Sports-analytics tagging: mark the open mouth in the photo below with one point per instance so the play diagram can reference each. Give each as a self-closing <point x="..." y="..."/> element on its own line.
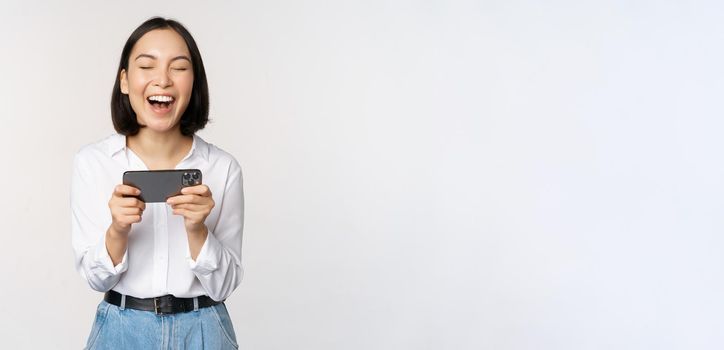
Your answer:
<point x="160" y="104"/>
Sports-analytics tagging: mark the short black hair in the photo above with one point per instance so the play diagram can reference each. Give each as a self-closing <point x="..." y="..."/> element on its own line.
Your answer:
<point x="196" y="114"/>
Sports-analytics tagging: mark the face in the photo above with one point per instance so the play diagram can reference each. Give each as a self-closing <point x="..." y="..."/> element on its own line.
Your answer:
<point x="159" y="79"/>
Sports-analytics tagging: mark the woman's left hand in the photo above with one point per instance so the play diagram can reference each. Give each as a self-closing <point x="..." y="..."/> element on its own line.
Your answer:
<point x="194" y="204"/>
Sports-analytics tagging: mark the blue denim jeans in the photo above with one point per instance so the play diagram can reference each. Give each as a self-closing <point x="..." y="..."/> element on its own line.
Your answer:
<point x="206" y="328"/>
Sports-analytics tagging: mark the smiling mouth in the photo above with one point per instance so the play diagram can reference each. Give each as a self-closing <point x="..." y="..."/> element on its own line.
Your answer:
<point x="160" y="104"/>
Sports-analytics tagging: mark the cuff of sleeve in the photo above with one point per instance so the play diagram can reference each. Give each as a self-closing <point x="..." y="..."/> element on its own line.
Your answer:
<point x="208" y="259"/>
<point x="103" y="259"/>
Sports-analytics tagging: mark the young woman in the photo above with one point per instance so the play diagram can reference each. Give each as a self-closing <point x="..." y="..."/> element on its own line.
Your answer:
<point x="165" y="268"/>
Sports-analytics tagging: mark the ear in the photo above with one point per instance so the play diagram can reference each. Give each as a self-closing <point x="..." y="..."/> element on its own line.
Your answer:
<point x="124" y="82"/>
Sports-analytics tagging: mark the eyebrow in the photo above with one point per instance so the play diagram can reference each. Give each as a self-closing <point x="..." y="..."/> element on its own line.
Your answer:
<point x="154" y="57"/>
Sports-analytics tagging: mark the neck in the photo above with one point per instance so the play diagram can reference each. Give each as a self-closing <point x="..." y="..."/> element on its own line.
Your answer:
<point x="160" y="147"/>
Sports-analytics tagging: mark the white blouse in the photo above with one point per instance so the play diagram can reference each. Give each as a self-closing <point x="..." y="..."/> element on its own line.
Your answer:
<point x="157" y="261"/>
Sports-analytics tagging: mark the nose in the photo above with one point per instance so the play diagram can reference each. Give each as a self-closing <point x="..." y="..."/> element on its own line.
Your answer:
<point x="163" y="80"/>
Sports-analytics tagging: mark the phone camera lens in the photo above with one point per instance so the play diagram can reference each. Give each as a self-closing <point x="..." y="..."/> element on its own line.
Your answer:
<point x="196" y="176"/>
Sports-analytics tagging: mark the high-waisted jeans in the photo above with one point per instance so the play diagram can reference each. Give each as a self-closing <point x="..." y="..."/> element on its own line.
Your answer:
<point x="205" y="328"/>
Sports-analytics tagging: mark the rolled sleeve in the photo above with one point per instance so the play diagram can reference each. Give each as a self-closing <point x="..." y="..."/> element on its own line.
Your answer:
<point x="103" y="262"/>
<point x="209" y="257"/>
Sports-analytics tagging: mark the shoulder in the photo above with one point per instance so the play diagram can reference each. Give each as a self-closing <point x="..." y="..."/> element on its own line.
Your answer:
<point x="98" y="149"/>
<point x="222" y="164"/>
<point x="219" y="156"/>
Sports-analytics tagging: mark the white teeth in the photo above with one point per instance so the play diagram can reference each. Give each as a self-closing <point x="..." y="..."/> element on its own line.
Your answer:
<point x="160" y="98"/>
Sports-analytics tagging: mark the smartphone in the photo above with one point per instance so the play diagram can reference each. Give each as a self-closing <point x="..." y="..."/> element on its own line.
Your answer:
<point x="158" y="185"/>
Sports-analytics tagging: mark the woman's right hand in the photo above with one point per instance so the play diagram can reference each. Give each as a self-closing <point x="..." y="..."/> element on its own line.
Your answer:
<point x="125" y="211"/>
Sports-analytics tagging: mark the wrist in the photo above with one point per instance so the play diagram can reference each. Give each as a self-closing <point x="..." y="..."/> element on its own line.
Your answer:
<point x="198" y="231"/>
<point x="116" y="234"/>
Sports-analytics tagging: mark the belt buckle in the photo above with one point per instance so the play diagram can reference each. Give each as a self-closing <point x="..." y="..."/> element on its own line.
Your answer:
<point x="163" y="305"/>
<point x="161" y="308"/>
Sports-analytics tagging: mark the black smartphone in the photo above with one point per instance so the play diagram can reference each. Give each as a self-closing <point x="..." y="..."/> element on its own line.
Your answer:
<point x="158" y="185"/>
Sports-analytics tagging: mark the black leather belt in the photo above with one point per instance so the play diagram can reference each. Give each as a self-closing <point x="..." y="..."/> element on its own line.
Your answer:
<point x="165" y="305"/>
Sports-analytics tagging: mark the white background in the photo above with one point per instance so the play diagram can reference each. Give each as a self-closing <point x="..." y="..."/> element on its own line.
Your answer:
<point x="418" y="174"/>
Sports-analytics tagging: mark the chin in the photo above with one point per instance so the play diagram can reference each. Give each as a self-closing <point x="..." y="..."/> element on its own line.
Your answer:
<point x="158" y="128"/>
<point x="161" y="129"/>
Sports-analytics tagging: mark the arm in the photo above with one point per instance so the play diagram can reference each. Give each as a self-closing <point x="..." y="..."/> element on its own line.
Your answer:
<point x="100" y="242"/>
<point x="89" y="223"/>
<point x="218" y="263"/>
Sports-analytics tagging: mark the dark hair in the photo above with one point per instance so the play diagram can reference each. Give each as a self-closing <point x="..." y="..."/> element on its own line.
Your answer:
<point x="196" y="114"/>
